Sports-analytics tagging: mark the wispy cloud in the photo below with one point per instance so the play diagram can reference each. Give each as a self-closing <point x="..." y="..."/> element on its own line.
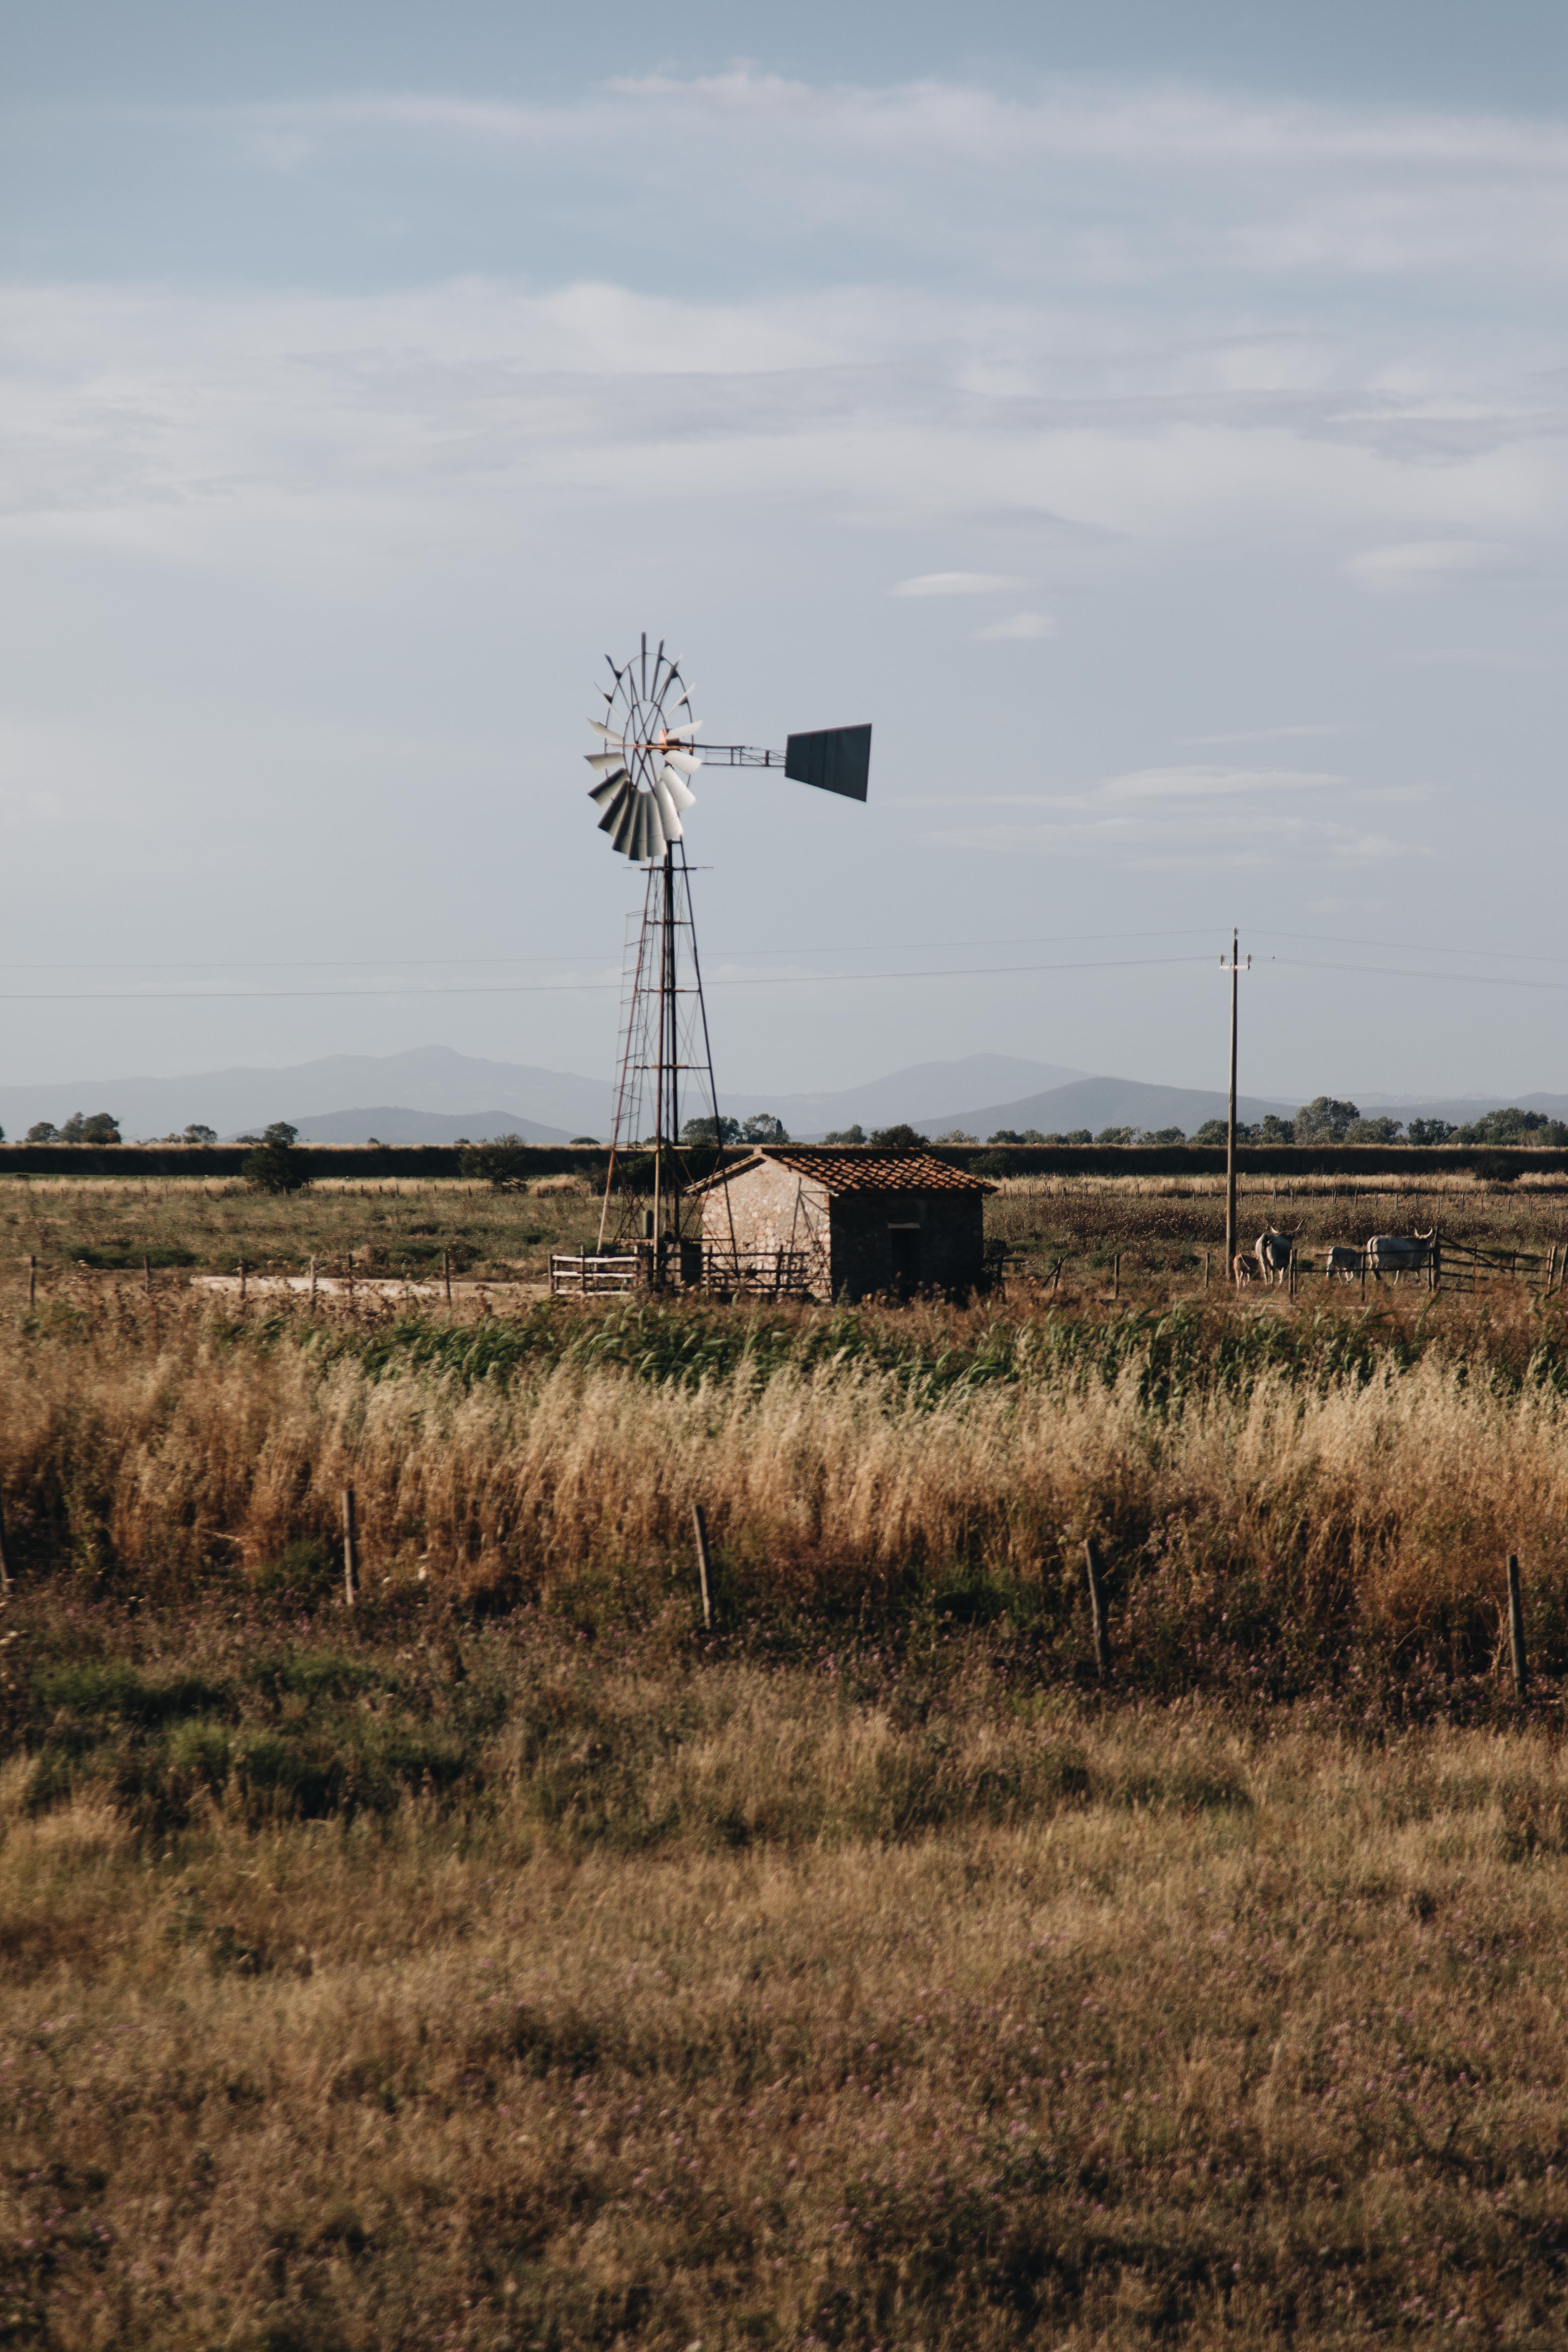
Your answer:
<point x="1203" y="783"/>
<point x="1024" y="629"/>
<point x="958" y="583"/>
<point x="1426" y="562"/>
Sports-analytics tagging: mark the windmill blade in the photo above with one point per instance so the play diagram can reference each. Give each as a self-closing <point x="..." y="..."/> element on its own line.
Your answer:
<point x="647" y="841"/>
<point x="597" y="727"/>
<point x="668" y="818"/>
<point x="604" y="761"/>
<point x="683" y="726"/>
<point x="612" y="797"/>
<point x="609" y="789"/>
<point x="673" y="783"/>
<point x="685" y="764"/>
<point x="621" y="837"/>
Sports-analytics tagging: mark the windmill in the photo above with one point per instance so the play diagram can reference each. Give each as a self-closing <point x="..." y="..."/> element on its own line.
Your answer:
<point x="647" y="758"/>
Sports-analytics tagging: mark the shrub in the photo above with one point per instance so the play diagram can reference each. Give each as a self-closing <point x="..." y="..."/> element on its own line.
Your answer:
<point x="501" y="1162"/>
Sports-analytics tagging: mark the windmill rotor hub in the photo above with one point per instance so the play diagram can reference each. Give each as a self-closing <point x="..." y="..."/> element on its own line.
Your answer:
<point x="647" y="755"/>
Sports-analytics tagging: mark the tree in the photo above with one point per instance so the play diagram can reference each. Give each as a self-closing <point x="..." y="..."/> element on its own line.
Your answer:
<point x="1274" y="1130"/>
<point x="202" y="1135"/>
<point x="1430" y="1131"/>
<point x="1161" y="1135"/>
<point x="846" y="1135"/>
<point x="43" y="1131"/>
<point x="275" y="1166"/>
<point x="957" y="1135"/>
<point x="101" y="1128"/>
<point x="1374" y="1130"/>
<point x="763" y="1128"/>
<point x="587" y="1139"/>
<point x="1212" y="1130"/>
<point x="1513" y="1126"/>
<point x="1116" y="1135"/>
<point x="501" y="1162"/>
<point x="900" y="1138"/>
<point x="1073" y="1135"/>
<point x="1324" y="1119"/>
<point x="712" y="1130"/>
<point x="1005" y="1135"/>
<point x="281" y="1132"/>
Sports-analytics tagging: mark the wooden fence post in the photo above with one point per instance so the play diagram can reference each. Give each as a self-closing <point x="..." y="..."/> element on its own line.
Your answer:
<point x="1096" y="1608"/>
<point x="1516" y="1624"/>
<point x="242" y="1271"/>
<point x="351" y="1550"/>
<point x="1116" y="1274"/>
<point x="32" y="1282"/>
<point x="147" y="1272"/>
<point x="312" y="1282"/>
<point x="1205" y="1269"/>
<point x="447" y="1272"/>
<point x="700" y="1523"/>
<point x="5" y="1556"/>
<point x="351" y="1259"/>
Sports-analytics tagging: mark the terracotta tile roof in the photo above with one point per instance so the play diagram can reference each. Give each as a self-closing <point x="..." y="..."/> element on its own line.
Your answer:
<point x="857" y="1168"/>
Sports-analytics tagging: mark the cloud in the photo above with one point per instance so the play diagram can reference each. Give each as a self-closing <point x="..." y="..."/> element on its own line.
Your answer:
<point x="1027" y="627"/>
<point x="1203" y="783"/>
<point x="1426" y="562"/>
<point x="958" y="583"/>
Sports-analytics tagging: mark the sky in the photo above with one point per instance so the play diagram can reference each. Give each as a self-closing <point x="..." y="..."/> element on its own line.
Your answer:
<point x="1150" y="417"/>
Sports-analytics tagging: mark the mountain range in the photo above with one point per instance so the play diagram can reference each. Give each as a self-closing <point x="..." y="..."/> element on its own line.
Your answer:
<point x="434" y="1095"/>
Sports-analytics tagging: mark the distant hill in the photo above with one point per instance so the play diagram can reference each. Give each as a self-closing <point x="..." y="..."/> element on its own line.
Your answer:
<point x="431" y="1078"/>
<point x="388" y="1125"/>
<point x="1095" y="1103"/>
<point x="428" y="1096"/>
<point x="909" y="1094"/>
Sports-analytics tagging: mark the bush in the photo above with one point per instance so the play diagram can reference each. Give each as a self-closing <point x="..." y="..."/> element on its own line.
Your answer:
<point x="501" y="1162"/>
<point x="900" y="1137"/>
<point x="275" y="1166"/>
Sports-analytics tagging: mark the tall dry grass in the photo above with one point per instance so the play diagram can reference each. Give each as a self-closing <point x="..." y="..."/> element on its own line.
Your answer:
<point x="1370" y="1474"/>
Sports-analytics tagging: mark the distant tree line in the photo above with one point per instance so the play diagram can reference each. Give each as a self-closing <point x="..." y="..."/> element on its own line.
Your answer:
<point x="1325" y="1119"/>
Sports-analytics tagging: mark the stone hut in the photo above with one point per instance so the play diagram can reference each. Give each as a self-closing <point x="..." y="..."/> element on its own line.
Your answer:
<point x="842" y="1222"/>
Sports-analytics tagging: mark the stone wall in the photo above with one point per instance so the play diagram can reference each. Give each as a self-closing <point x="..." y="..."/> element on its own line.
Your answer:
<point x="874" y="1249"/>
<point x="773" y="1211"/>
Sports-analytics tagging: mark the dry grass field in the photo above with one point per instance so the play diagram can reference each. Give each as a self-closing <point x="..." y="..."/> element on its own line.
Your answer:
<point x="1160" y="1226"/>
<point x="508" y="1962"/>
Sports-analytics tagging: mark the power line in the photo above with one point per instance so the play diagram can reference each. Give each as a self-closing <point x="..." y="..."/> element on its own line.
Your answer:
<point x="406" y="963"/>
<point x="1414" y="947"/>
<point x="555" y="987"/>
<point x="1409" y="971"/>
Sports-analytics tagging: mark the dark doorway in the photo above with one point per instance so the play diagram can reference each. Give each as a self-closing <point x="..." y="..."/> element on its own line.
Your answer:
<point x="904" y="1242"/>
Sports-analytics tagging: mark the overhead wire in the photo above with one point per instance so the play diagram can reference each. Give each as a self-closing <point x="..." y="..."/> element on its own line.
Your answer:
<point x="556" y="987"/>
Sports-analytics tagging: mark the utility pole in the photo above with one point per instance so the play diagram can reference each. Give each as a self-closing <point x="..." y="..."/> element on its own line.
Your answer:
<point x="1235" y="967"/>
